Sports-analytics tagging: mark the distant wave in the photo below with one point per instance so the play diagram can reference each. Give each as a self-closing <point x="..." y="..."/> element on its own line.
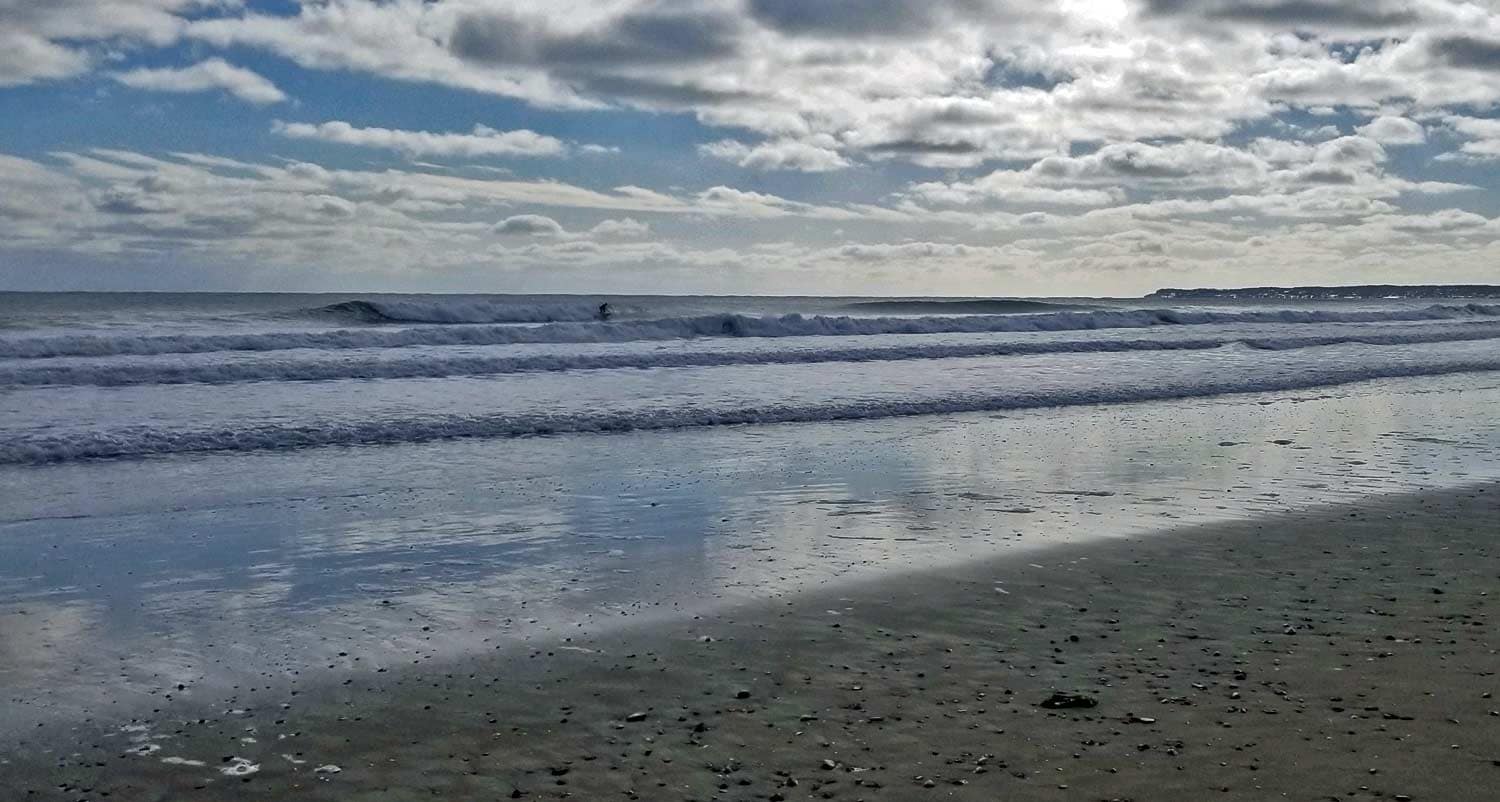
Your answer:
<point x="467" y="310"/>
<point x="141" y="441"/>
<point x="116" y="375"/>
<point x="960" y="306"/>
<point x="723" y="325"/>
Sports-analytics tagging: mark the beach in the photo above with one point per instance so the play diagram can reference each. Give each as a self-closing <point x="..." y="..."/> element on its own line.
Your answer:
<point x="1344" y="652"/>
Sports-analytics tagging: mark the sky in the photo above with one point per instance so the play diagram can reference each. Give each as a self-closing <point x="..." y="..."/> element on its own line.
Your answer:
<point x="872" y="147"/>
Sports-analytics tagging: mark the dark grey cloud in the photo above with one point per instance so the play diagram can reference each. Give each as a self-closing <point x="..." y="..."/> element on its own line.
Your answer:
<point x="888" y="18"/>
<point x="1363" y="14"/>
<point x="846" y="17"/>
<point x="658" y="93"/>
<point x="629" y="39"/>
<point x="124" y="201"/>
<point x="1327" y="175"/>
<point x="1137" y="162"/>
<point x="529" y="225"/>
<point x="1471" y="52"/>
<point x="920" y="147"/>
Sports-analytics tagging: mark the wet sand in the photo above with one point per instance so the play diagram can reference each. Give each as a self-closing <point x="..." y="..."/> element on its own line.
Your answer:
<point x="1345" y="653"/>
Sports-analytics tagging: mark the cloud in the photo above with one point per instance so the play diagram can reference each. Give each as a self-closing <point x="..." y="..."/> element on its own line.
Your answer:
<point x="1074" y="138"/>
<point x="631" y="38"/>
<point x="42" y="41"/>
<point x="784" y="154"/>
<point x="214" y="73"/>
<point x="1394" y="131"/>
<point x="401" y="40"/>
<point x="931" y="83"/>
<point x="1183" y="165"/>
<point x="530" y="225"/>
<point x="1483" y="138"/>
<point x="483" y="141"/>
<point x="1464" y="50"/>
<point x="119" y="207"/>
<point x="1011" y="188"/>
<point x="26" y="59"/>
<point x="1446" y="220"/>
<point x="1365" y="15"/>
<point x="846" y="17"/>
<point x="624" y="227"/>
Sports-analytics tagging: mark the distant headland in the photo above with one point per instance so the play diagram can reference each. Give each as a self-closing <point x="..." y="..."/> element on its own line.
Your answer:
<point x="1352" y="292"/>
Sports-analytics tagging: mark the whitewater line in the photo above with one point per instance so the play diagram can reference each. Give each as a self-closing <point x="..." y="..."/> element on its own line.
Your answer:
<point x="142" y="442"/>
<point x="724" y="325"/>
<point x="119" y="375"/>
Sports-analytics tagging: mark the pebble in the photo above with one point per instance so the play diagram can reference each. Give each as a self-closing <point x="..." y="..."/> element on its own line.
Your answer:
<point x="1059" y="701"/>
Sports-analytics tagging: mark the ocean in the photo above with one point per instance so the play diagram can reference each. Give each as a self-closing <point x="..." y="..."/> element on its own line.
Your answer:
<point x="227" y="489"/>
<point x="96" y="376"/>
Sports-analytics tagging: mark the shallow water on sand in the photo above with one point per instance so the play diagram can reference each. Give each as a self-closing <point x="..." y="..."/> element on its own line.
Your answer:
<point x="121" y="581"/>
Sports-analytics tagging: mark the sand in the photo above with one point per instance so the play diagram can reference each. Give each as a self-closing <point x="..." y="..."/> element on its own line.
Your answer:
<point x="1343" y="653"/>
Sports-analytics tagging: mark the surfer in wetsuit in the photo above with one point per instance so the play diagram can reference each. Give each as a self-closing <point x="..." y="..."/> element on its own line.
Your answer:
<point x="605" y="313"/>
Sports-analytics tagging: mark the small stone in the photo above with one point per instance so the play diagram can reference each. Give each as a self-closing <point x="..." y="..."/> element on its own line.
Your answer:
<point x="636" y="716"/>
<point x="742" y="694"/>
<point x="1059" y="701"/>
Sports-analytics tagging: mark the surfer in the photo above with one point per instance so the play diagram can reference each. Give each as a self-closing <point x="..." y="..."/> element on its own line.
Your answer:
<point x="605" y="313"/>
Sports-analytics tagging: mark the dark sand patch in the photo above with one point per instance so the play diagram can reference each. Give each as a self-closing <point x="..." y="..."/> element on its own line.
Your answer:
<point x="1345" y="654"/>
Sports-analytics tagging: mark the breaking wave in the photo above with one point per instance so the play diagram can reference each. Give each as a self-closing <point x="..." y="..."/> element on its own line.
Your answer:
<point x="721" y="325"/>
<point x="959" y="306"/>
<point x="115" y="375"/>
<point x="146" y="441"/>
<point x="456" y="311"/>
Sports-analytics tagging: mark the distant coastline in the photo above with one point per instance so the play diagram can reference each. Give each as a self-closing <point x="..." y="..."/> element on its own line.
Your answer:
<point x="1352" y="292"/>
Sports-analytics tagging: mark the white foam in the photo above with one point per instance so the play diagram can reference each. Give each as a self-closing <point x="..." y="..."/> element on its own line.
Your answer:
<point x="115" y="375"/>
<point x="144" y="441"/>
<point x="239" y="767"/>
<point x="723" y="325"/>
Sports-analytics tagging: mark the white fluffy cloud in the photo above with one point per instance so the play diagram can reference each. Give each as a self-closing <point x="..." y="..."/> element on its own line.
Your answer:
<point x="48" y="39"/>
<point x="1389" y="130"/>
<point x="211" y="74"/>
<point x="482" y="141"/>
<point x="784" y="154"/>
<point x="1483" y="137"/>
<point x="624" y="227"/>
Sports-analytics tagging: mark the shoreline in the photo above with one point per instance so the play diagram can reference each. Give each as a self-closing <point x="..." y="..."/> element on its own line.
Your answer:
<point x="1338" y="653"/>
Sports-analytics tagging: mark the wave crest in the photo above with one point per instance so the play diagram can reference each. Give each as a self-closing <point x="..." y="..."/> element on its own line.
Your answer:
<point x="722" y="325"/>
<point x="119" y="375"/>
<point x="468" y="310"/>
